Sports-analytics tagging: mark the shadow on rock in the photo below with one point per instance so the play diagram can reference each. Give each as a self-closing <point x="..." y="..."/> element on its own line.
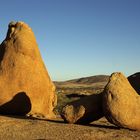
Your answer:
<point x="75" y="95"/>
<point x="19" y="105"/>
<point x="134" y="80"/>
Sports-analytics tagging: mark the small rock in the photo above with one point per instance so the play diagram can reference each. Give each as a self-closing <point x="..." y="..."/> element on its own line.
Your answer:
<point x="84" y="110"/>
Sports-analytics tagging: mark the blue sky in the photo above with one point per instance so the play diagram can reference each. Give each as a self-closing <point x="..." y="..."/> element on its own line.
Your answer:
<point x="79" y="38"/>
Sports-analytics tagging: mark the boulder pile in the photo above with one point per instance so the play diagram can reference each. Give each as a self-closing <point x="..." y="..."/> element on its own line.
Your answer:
<point x="119" y="103"/>
<point x="26" y="87"/>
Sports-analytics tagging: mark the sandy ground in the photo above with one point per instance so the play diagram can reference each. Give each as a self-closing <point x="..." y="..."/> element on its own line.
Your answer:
<point x="23" y="128"/>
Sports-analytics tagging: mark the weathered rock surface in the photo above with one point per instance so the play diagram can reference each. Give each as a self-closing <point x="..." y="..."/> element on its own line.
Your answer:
<point x="134" y="80"/>
<point x="84" y="110"/>
<point x="25" y="86"/>
<point x="121" y="103"/>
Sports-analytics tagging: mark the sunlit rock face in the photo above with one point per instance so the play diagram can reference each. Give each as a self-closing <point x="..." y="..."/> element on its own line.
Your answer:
<point x="24" y="80"/>
<point x="121" y="103"/>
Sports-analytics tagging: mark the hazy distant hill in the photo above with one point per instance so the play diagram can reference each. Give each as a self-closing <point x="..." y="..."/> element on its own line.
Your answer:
<point x="90" y="80"/>
<point x="82" y="86"/>
<point x="85" y="81"/>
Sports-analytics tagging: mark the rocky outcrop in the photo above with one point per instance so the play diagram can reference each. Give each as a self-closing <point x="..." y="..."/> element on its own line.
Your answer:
<point x="25" y="86"/>
<point x="84" y="110"/>
<point x="121" y="103"/>
<point x="134" y="80"/>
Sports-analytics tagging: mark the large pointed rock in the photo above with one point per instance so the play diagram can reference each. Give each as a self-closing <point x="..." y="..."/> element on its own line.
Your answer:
<point x="121" y="103"/>
<point x="84" y="110"/>
<point x="25" y="86"/>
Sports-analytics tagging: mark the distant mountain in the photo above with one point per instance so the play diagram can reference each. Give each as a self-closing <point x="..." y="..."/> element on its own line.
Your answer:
<point x="90" y="80"/>
<point x="84" y="81"/>
<point x="82" y="86"/>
